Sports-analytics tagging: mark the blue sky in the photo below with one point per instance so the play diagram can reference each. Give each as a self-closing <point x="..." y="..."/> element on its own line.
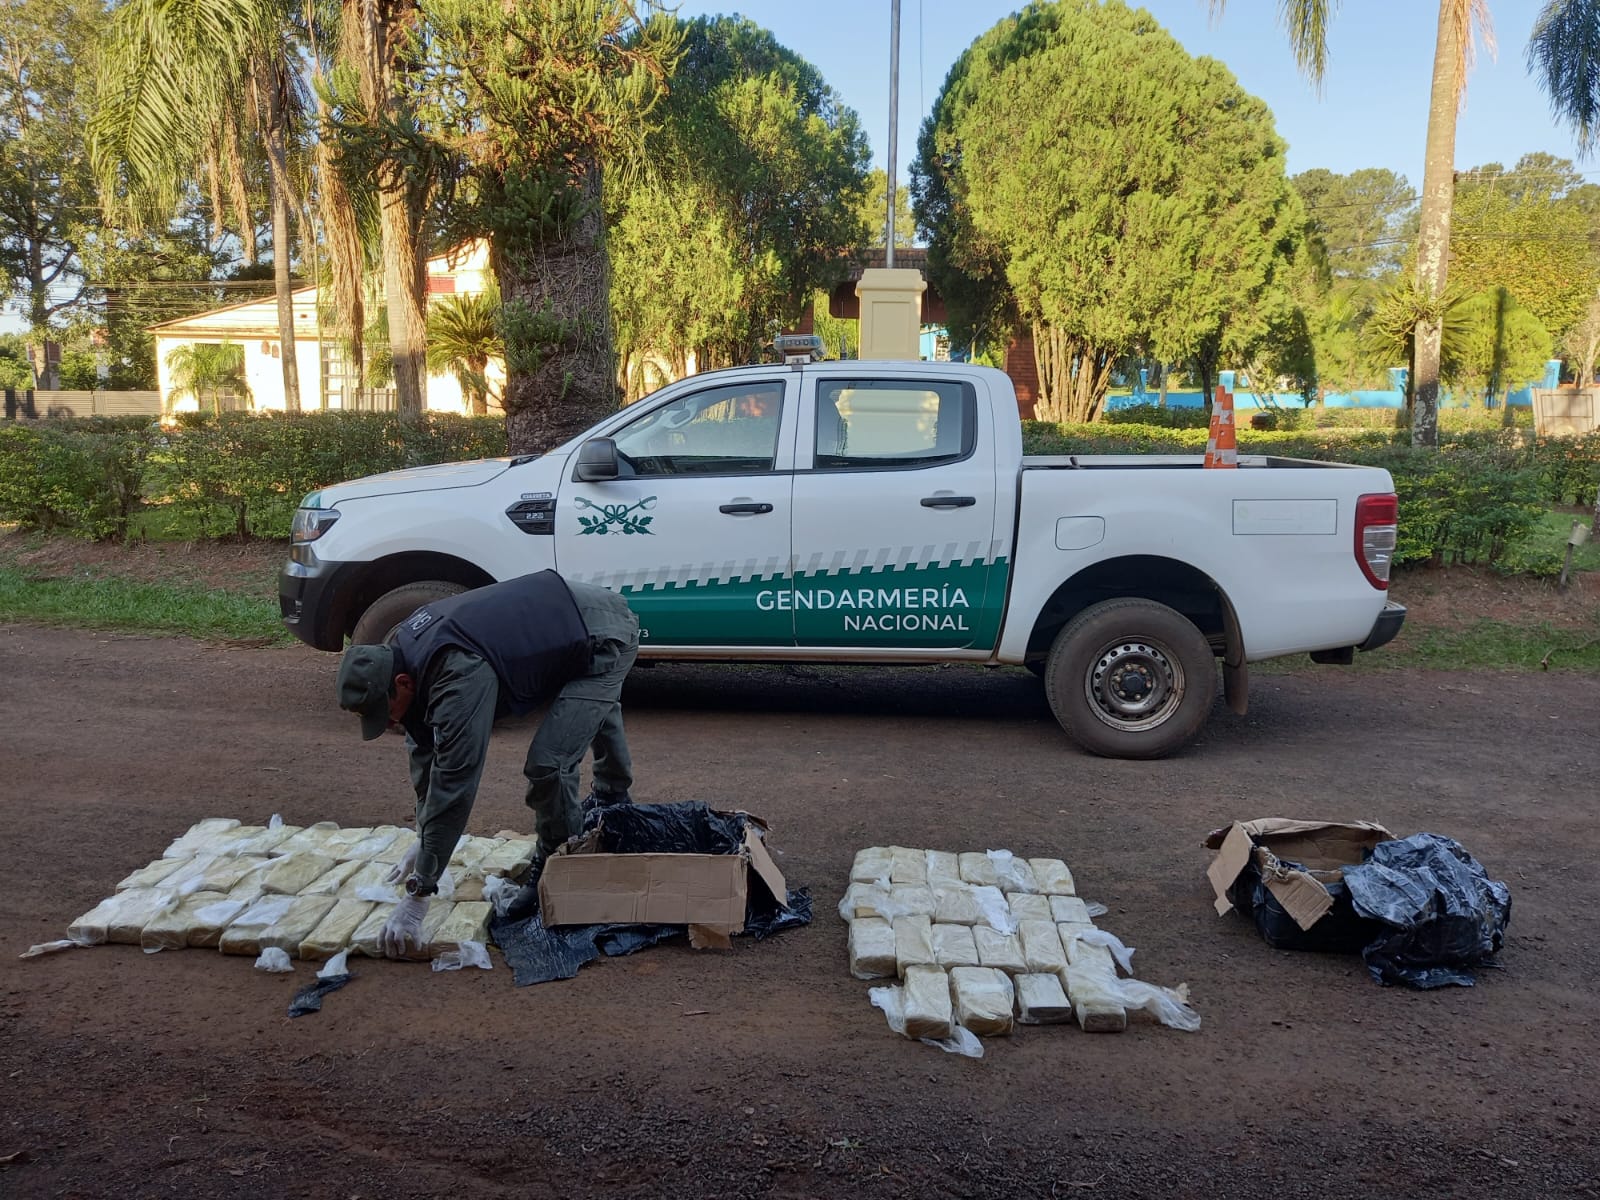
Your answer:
<point x="1372" y="111"/>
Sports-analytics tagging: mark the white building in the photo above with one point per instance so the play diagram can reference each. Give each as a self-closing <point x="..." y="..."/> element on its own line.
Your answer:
<point x="325" y="378"/>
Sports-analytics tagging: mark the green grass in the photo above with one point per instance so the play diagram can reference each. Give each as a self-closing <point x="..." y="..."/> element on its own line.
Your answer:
<point x="1549" y="537"/>
<point x="1494" y="646"/>
<point x="143" y="607"/>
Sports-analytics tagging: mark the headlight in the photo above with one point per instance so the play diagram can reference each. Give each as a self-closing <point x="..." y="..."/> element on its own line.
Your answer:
<point x="311" y="523"/>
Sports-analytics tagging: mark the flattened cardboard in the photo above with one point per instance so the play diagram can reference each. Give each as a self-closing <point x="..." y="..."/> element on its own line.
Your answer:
<point x="707" y="892"/>
<point x="1323" y="848"/>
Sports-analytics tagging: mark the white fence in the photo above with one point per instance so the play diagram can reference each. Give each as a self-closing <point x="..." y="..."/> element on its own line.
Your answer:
<point x="1566" y="410"/>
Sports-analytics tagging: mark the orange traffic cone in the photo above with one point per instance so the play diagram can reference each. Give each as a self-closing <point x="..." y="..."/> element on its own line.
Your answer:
<point x="1222" y="447"/>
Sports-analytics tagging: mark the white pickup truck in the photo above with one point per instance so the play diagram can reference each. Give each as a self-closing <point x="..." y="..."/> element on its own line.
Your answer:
<point x="883" y="512"/>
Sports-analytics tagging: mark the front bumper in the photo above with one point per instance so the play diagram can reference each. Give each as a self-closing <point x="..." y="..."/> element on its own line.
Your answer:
<point x="1386" y="626"/>
<point x="313" y="598"/>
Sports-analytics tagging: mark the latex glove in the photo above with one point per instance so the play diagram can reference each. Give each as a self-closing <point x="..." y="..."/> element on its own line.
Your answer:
<point x="403" y="929"/>
<point x="407" y="864"/>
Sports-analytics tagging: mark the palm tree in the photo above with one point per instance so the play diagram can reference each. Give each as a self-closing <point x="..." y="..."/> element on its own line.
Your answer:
<point x="206" y="370"/>
<point x="1564" y="52"/>
<point x="179" y="81"/>
<point x="463" y="335"/>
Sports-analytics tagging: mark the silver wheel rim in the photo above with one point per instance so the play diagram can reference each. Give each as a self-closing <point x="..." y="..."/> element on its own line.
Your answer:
<point x="1134" y="684"/>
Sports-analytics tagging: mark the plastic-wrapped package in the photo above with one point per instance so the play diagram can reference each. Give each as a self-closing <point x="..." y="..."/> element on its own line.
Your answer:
<point x="293" y="873"/>
<point x="131" y="911"/>
<point x="1041" y="947"/>
<point x="249" y="886"/>
<point x="909" y="900"/>
<point x="1012" y="874"/>
<point x="470" y="852"/>
<point x="993" y="910"/>
<point x="368" y="875"/>
<point x="908" y="866"/>
<point x="365" y="939"/>
<point x="872" y="948"/>
<point x="1041" y="1000"/>
<point x="944" y="868"/>
<point x="871" y="865"/>
<point x="1000" y="950"/>
<point x="465" y="922"/>
<point x="956" y="906"/>
<point x="332" y="934"/>
<point x="331" y="882"/>
<point x="396" y="850"/>
<point x="928" y="1010"/>
<point x="913" y="943"/>
<point x="243" y="936"/>
<point x="953" y="946"/>
<point x="511" y="856"/>
<point x="223" y="873"/>
<point x="153" y="875"/>
<point x="311" y="840"/>
<point x="171" y="928"/>
<point x="198" y="837"/>
<point x="379" y="838"/>
<point x="1112" y="943"/>
<point x="1053" y="876"/>
<point x="1090" y="955"/>
<point x="470" y="887"/>
<point x="1028" y="906"/>
<point x="1069" y="910"/>
<point x="208" y="921"/>
<point x="983" y="1000"/>
<point x="976" y="869"/>
<point x="342" y="840"/>
<point x="1096" y="999"/>
<point x="289" y="930"/>
<point x="259" y="841"/>
<point x="863" y="900"/>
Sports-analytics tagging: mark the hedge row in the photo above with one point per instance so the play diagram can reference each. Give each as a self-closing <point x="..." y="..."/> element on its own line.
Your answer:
<point x="237" y="474"/>
<point x="242" y="474"/>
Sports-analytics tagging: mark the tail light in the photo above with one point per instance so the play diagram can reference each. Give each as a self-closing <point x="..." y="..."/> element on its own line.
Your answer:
<point x="1377" y="517"/>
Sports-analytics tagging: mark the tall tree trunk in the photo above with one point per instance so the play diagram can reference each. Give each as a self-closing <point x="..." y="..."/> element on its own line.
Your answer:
<point x="270" y="103"/>
<point x="379" y="27"/>
<point x="1433" y="235"/>
<point x="407" y="336"/>
<point x="560" y="374"/>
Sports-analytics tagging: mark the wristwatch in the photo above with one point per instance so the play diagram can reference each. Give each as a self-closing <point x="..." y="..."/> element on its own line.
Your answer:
<point x="415" y="887"/>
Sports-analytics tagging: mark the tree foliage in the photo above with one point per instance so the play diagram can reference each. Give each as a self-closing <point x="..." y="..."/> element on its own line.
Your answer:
<point x="749" y="195"/>
<point x="207" y="371"/>
<point x="538" y="102"/>
<point x="463" y="335"/>
<point x="1149" y="209"/>
<point x="1360" y="223"/>
<point x="46" y="188"/>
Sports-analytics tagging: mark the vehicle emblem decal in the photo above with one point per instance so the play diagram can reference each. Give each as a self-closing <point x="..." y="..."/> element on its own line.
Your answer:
<point x="616" y="518"/>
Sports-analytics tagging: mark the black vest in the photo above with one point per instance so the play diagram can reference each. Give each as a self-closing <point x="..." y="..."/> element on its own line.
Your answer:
<point x="527" y="629"/>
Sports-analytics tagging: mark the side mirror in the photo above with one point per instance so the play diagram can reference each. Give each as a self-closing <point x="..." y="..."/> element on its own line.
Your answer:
<point x="597" y="461"/>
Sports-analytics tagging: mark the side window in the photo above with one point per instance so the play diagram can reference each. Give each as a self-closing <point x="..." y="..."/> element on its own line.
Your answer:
<point x="731" y="430"/>
<point x="893" y="423"/>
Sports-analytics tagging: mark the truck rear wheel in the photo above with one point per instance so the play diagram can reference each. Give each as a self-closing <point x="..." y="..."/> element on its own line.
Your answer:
<point x="1131" y="679"/>
<point x="385" y="613"/>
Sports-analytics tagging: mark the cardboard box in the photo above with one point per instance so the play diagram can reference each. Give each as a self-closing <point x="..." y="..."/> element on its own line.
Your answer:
<point x="582" y="885"/>
<point x="1322" y="848"/>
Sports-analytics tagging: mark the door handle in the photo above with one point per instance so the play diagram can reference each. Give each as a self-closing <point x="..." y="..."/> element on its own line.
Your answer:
<point x="736" y="509"/>
<point x="949" y="501"/>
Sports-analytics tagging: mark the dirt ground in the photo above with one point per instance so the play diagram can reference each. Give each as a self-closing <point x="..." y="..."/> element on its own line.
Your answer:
<point x="763" y="1071"/>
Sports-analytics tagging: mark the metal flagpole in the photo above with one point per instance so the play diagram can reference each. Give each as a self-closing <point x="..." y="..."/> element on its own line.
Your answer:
<point x="894" y="121"/>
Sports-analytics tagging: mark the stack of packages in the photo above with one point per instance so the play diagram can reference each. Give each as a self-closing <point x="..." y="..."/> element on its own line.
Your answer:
<point x="982" y="940"/>
<point x="309" y="892"/>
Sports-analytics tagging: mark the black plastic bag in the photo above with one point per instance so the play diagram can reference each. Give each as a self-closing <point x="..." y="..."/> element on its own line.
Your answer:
<point x="1338" y="931"/>
<point x="309" y="998"/>
<point x="538" y="955"/>
<point x="1439" y="913"/>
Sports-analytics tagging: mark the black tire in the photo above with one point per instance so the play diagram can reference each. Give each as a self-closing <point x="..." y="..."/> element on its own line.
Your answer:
<point x="1131" y="679"/>
<point x="388" y="610"/>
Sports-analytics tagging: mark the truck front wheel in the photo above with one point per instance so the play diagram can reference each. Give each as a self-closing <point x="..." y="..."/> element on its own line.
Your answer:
<point x="389" y="609"/>
<point x="1131" y="679"/>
